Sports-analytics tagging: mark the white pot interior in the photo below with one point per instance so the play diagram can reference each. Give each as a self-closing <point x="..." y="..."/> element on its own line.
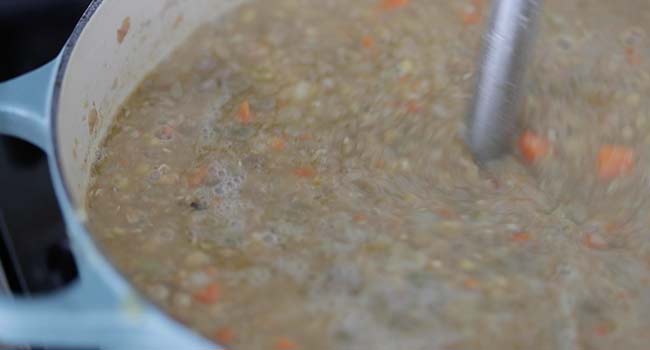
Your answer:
<point x="122" y="42"/>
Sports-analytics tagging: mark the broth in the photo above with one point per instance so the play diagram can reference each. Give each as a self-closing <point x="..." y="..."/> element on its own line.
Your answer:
<point x="295" y="177"/>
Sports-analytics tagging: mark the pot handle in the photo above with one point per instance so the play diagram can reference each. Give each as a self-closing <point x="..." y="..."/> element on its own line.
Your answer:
<point x="25" y="105"/>
<point x="73" y="317"/>
<point x="89" y="312"/>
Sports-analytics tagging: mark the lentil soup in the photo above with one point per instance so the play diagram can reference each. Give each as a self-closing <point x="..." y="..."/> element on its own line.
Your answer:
<point x="295" y="177"/>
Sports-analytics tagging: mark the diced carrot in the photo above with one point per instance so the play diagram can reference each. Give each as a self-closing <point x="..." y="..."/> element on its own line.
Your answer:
<point x="167" y="132"/>
<point x="471" y="283"/>
<point x="209" y="294"/>
<point x="612" y="227"/>
<point x="471" y="16"/>
<point x="623" y="295"/>
<point x="632" y="56"/>
<point x="603" y="329"/>
<point x="198" y="176"/>
<point x="360" y="218"/>
<point x="281" y="103"/>
<point x="594" y="241"/>
<point x="393" y="4"/>
<point x="123" y="30"/>
<point x="412" y="106"/>
<point x="520" y="237"/>
<point x="278" y="144"/>
<point x="305" y="172"/>
<point x="224" y="336"/>
<point x="533" y="147"/>
<point x="615" y="161"/>
<point x="368" y="42"/>
<point x="305" y="137"/>
<point x="245" y="115"/>
<point x="447" y="214"/>
<point x="178" y="21"/>
<point x="284" y="343"/>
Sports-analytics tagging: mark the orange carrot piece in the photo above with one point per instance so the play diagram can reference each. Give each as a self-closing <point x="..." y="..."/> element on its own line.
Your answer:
<point x="284" y="343"/>
<point x="167" y="132"/>
<point x="393" y="4"/>
<point x="594" y="241"/>
<point x="471" y="283"/>
<point x="612" y="228"/>
<point x="360" y="218"/>
<point x="305" y="137"/>
<point x="447" y="214"/>
<point x="305" y="172"/>
<point x="224" y="336"/>
<point x="632" y="56"/>
<point x="403" y="81"/>
<point x="209" y="294"/>
<point x="412" y="106"/>
<point x="245" y="115"/>
<point x="603" y="329"/>
<point x="615" y="161"/>
<point x="278" y="144"/>
<point x="471" y="17"/>
<point x="533" y="147"/>
<point x="368" y="42"/>
<point x="520" y="237"/>
<point x="198" y="177"/>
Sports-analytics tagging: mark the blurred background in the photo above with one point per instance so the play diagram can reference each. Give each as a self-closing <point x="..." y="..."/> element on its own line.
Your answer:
<point x="34" y="256"/>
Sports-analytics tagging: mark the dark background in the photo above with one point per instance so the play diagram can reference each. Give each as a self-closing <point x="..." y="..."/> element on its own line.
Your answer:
<point x="33" y="246"/>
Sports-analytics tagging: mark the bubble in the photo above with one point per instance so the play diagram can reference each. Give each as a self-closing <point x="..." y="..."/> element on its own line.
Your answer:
<point x="236" y="224"/>
<point x="268" y="237"/>
<point x="297" y="269"/>
<point x="344" y="277"/>
<point x="206" y="64"/>
<point x="218" y="191"/>
<point x="217" y="170"/>
<point x="155" y="175"/>
<point x="231" y="185"/>
<point x="633" y="36"/>
<point x="240" y="179"/>
<point x="225" y="184"/>
<point x="222" y="173"/>
<point x="207" y="133"/>
<point x="564" y="43"/>
<point x="203" y="195"/>
<point x="166" y="234"/>
<point x="100" y="154"/>
<point x="229" y="207"/>
<point x="208" y="85"/>
<point x="258" y="276"/>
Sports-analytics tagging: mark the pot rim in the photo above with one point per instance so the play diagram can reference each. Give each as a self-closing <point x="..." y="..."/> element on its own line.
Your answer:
<point x="66" y="54"/>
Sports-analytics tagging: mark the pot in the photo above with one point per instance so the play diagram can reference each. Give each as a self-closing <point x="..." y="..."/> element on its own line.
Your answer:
<point x="66" y="108"/>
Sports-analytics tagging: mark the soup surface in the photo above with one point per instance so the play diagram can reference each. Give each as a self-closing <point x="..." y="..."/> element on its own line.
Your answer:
<point x="295" y="177"/>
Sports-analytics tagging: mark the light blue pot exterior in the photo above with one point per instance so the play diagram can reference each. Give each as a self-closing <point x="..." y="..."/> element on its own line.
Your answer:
<point x="100" y="309"/>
